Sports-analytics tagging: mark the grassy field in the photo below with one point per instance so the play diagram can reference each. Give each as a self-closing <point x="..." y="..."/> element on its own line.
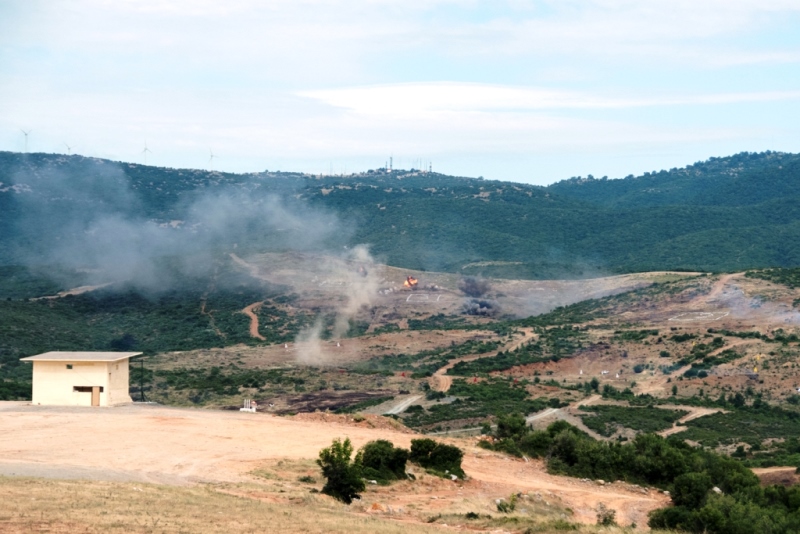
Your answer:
<point x="278" y="505"/>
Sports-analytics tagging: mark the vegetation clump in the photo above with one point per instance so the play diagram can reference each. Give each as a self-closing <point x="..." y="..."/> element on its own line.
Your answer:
<point x="381" y="461"/>
<point x="437" y="458"/>
<point x="343" y="476"/>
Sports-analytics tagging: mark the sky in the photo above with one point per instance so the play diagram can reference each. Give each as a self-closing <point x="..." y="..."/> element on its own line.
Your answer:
<point x="528" y="91"/>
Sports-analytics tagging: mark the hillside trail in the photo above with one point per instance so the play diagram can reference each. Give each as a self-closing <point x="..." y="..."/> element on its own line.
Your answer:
<point x="441" y="381"/>
<point x="250" y="311"/>
<point x="210" y="316"/>
<point x="567" y="414"/>
<point x="694" y="413"/>
<point x="718" y="287"/>
<point x="401" y="406"/>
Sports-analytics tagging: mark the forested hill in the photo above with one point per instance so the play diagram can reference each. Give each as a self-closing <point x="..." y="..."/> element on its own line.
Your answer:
<point x="724" y="214"/>
<point x="741" y="180"/>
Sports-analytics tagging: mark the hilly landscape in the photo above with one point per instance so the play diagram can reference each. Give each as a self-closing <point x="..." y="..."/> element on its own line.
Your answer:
<point x="606" y="353"/>
<point x="723" y="214"/>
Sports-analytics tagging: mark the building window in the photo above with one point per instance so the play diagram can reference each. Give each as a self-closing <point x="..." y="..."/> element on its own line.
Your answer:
<point x="85" y="389"/>
<point x="69" y="366"/>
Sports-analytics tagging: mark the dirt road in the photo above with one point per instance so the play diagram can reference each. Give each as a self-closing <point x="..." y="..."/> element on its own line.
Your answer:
<point x="694" y="413"/>
<point x="440" y="381"/>
<point x="184" y="446"/>
<point x="250" y="311"/>
<point x="719" y="286"/>
<point x="402" y="405"/>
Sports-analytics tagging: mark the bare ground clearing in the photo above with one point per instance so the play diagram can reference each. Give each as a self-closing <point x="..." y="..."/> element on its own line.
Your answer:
<point x="184" y="446"/>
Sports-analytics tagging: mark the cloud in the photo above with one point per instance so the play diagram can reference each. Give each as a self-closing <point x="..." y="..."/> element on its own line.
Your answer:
<point x="307" y="84"/>
<point x="422" y="98"/>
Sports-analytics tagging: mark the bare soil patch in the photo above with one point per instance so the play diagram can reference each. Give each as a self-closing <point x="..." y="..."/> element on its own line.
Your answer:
<point x="184" y="446"/>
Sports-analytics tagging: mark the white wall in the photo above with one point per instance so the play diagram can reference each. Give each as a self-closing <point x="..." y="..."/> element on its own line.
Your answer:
<point x="53" y="382"/>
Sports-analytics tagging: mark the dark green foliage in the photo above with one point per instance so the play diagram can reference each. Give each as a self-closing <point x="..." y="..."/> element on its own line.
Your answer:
<point x="750" y="423"/>
<point x="513" y="436"/>
<point x="18" y="282"/>
<point x="381" y="461"/>
<point x="222" y="382"/>
<point x="774" y="509"/>
<point x="439" y="322"/>
<point x="13" y="390"/>
<point x="788" y="277"/>
<point x="343" y="476"/>
<point x="478" y="400"/>
<point x="437" y="458"/>
<point x="364" y="404"/>
<point x="726" y="213"/>
<point x="553" y="344"/>
<point x="691" y="489"/>
<point x="427" y="361"/>
<point x="634" y="335"/>
<point x="511" y="426"/>
<point x="649" y="459"/>
<point x="606" y="418"/>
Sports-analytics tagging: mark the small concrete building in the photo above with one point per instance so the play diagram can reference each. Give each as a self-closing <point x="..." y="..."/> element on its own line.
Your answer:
<point x="81" y="378"/>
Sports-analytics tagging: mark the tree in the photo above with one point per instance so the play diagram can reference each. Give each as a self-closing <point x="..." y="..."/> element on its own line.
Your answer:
<point x="690" y="490"/>
<point x="382" y="461"/>
<point x="438" y="458"/>
<point x="511" y="426"/>
<point x="344" y="480"/>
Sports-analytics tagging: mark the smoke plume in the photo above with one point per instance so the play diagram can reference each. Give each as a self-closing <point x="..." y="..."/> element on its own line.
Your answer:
<point x="98" y="222"/>
<point x="355" y="290"/>
<point x="474" y="287"/>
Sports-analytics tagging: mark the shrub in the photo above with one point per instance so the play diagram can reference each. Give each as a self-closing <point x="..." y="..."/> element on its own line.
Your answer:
<point x="507" y="506"/>
<point x="690" y="489"/>
<point x="437" y="458"/>
<point x="511" y="426"/>
<point x="536" y="444"/>
<point x="382" y="461"/>
<point x="344" y="480"/>
<point x="606" y="517"/>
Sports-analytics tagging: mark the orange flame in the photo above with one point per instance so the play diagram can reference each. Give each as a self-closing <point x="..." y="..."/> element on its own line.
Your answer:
<point x="410" y="282"/>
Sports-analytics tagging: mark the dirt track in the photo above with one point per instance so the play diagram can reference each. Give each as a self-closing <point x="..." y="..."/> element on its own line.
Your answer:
<point x="250" y="311"/>
<point x="440" y="381"/>
<point x="184" y="446"/>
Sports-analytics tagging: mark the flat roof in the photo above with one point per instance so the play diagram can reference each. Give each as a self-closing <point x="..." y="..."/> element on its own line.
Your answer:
<point x="59" y="356"/>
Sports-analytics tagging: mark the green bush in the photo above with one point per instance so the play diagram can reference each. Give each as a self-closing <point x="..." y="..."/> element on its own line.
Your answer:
<point x="437" y="458"/>
<point x="382" y="461"/>
<point x="691" y="489"/>
<point x="344" y="480"/>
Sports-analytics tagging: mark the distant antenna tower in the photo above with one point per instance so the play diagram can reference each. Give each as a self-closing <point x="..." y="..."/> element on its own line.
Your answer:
<point x="390" y="163"/>
<point x="211" y="159"/>
<point x="26" y="138"/>
<point x="145" y="151"/>
<point x="69" y="149"/>
<point x="430" y="167"/>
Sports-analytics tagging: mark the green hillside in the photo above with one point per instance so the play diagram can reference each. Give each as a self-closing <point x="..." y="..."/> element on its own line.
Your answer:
<point x="728" y="213"/>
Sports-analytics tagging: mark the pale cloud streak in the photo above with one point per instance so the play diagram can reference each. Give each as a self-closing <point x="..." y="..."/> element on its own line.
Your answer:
<point x="424" y="98"/>
<point x="300" y="82"/>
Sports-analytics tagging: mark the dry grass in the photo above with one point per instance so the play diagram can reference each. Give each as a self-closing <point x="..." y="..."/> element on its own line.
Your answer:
<point x="35" y="505"/>
<point x="280" y="504"/>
